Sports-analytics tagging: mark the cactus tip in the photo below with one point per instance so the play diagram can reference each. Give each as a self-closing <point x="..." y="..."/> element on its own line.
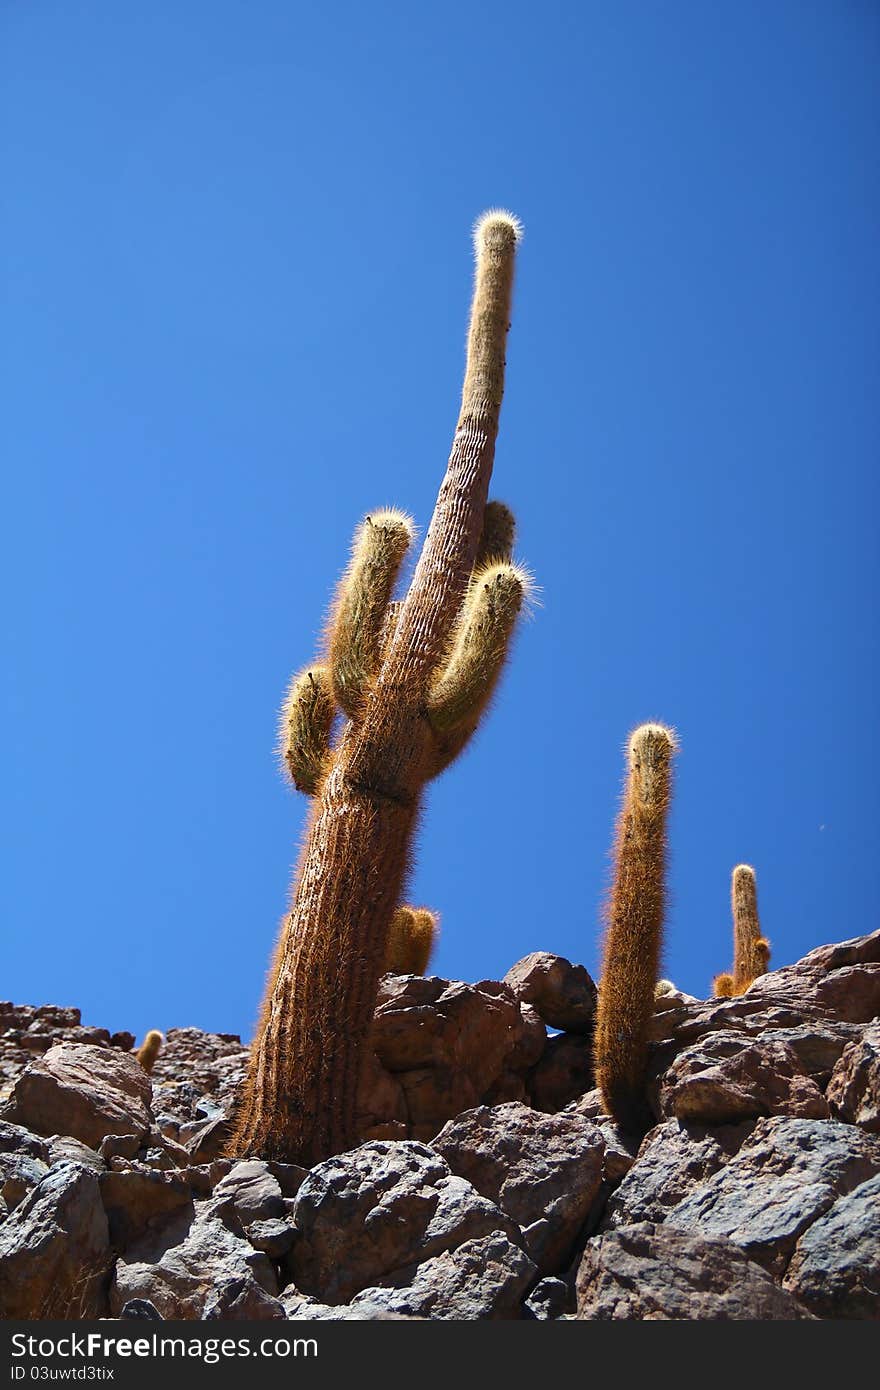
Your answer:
<point x="497" y="221"/>
<point x="650" y="734"/>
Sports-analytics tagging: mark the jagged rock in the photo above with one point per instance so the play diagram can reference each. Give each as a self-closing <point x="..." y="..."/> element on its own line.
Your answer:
<point x="138" y="1200"/>
<point x="657" y="1272"/>
<point x="242" y="1300"/>
<point x="64" y="1146"/>
<point x="140" y="1310"/>
<point x="544" y="1171"/>
<point x="564" y="1072"/>
<point x="253" y="1191"/>
<point x="19" y="1172"/>
<point x="728" y="1076"/>
<point x="786" y="1175"/>
<point x="206" y="1142"/>
<point x="191" y="1264"/>
<point x="483" y="1278"/>
<point x="54" y="1249"/>
<point x="548" y="1300"/>
<point x="674" y="1159"/>
<point x="83" y="1091"/>
<point x="376" y="1209"/>
<point x="14" y="1139"/>
<point x="119" y="1146"/>
<point x="563" y="994"/>
<point x="835" y="1269"/>
<point x="854" y="1089"/>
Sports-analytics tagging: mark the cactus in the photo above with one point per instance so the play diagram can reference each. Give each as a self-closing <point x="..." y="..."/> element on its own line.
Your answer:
<point x="751" y="950"/>
<point x="412" y="678"/>
<point x="634" y="928"/>
<point x="149" y="1049"/>
<point x="411" y="939"/>
<point x="722" y="986"/>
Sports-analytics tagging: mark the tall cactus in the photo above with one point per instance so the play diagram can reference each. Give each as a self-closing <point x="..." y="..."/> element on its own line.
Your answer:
<point x="751" y="950"/>
<point x="634" y="927"/>
<point x="412" y="679"/>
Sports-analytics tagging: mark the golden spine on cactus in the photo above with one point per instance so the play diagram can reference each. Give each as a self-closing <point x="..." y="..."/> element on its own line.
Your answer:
<point x="634" y="927"/>
<point x="412" y="937"/>
<point x="304" y="733"/>
<point x="359" y="614"/>
<point x="722" y="986"/>
<point x="149" y="1049"/>
<point x="389" y="672"/>
<point x="751" y="950"/>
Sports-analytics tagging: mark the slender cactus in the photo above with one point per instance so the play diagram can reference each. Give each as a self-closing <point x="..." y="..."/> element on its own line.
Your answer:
<point x="298" y="1103"/>
<point x="751" y="950"/>
<point x="149" y="1049"/>
<point x="412" y="937"/>
<point x="634" y="928"/>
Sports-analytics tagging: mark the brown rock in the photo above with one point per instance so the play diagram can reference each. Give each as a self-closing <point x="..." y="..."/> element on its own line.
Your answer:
<point x="729" y="1076"/>
<point x="854" y="1089"/>
<point x="138" y="1200"/>
<point x="835" y="1270"/>
<point x="543" y="1171"/>
<point x="83" y="1091"/>
<point x="563" y="994"/>
<point x="564" y="1073"/>
<point x="54" y="1249"/>
<point x="656" y="1272"/>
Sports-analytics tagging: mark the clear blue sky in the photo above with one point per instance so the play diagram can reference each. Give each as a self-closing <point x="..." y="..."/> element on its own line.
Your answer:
<point x="236" y="270"/>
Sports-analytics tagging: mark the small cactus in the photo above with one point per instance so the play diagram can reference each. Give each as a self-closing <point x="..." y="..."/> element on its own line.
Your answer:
<point x="634" y="928"/>
<point x="751" y="950"/>
<point x="412" y="937"/>
<point x="149" y="1049"/>
<point x="722" y="986"/>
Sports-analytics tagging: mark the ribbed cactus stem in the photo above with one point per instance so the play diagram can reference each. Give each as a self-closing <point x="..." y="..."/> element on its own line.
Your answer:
<point x="480" y="646"/>
<point x="304" y="729"/>
<point x="751" y="950"/>
<point x="149" y="1049"/>
<point x="356" y="626"/>
<point x="633" y="936"/>
<point x="299" y="1102"/>
<point x="411" y="939"/>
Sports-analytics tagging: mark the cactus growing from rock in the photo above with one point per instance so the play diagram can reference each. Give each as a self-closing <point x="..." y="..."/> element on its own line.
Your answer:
<point x="149" y="1049"/>
<point x="413" y="678"/>
<point x="634" y="928"/>
<point x="411" y="939"/>
<point x="751" y="950"/>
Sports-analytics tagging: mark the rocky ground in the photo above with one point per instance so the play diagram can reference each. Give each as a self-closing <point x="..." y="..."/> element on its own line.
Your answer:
<point x="490" y="1184"/>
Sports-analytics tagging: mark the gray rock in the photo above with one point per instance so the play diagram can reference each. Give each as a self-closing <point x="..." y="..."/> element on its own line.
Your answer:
<point x="54" y="1249"/>
<point x="138" y="1200"/>
<point x="548" y="1300"/>
<point x="835" y="1270"/>
<point x="83" y="1091"/>
<point x="544" y="1171"/>
<point x="485" y="1278"/>
<point x="378" y="1208"/>
<point x="785" y="1176"/>
<point x="14" y="1139"/>
<point x="19" y="1172"/>
<point x="657" y="1272"/>
<point x="674" y="1160"/>
<point x="563" y="994"/>
<point x="728" y="1076"/>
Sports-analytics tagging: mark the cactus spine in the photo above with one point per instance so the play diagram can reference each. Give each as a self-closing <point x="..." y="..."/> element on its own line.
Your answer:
<point x="751" y="950"/>
<point x="412" y="683"/>
<point x="149" y="1050"/>
<point x="411" y="939"/>
<point x="634" y="927"/>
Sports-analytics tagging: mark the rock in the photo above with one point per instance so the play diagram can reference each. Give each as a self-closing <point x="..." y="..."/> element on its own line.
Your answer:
<point x="63" y="1146"/>
<point x="543" y="1171"/>
<point x="562" y="994"/>
<point x="786" y="1175"/>
<point x="378" y="1208"/>
<point x="854" y="1089"/>
<point x="19" y="1172"/>
<point x="657" y="1272"/>
<point x="205" y="1142"/>
<point x="16" y="1140"/>
<point x="54" y="1249"/>
<point x="252" y="1190"/>
<point x="564" y="1073"/>
<point x="119" y="1146"/>
<point x="674" y="1160"/>
<point x="728" y="1076"/>
<point x="484" y="1278"/>
<point x="835" y="1269"/>
<point x="138" y="1200"/>
<point x="140" y="1310"/>
<point x="242" y="1300"/>
<point x="83" y="1091"/>
<point x="191" y="1265"/>
<point x="548" y="1300"/>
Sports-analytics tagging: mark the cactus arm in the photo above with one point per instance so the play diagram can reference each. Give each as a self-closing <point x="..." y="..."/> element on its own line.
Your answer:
<point x="722" y="986"/>
<point x="412" y="937"/>
<point x="497" y="536"/>
<point x="634" y="928"/>
<point x="149" y="1050"/>
<point x="359" y="613"/>
<point x="480" y="645"/>
<point x="304" y="728"/>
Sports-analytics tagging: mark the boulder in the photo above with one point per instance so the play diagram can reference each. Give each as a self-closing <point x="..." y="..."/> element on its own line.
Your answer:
<point x="543" y="1171"/>
<point x="854" y="1088"/>
<point x="674" y="1160"/>
<point x="481" y="1279"/>
<point x="562" y="994"/>
<point x="728" y="1076"/>
<point x="83" y="1091"/>
<point x="835" y="1269"/>
<point x="55" y="1250"/>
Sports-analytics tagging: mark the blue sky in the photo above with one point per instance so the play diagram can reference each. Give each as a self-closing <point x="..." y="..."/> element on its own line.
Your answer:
<point x="236" y="266"/>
